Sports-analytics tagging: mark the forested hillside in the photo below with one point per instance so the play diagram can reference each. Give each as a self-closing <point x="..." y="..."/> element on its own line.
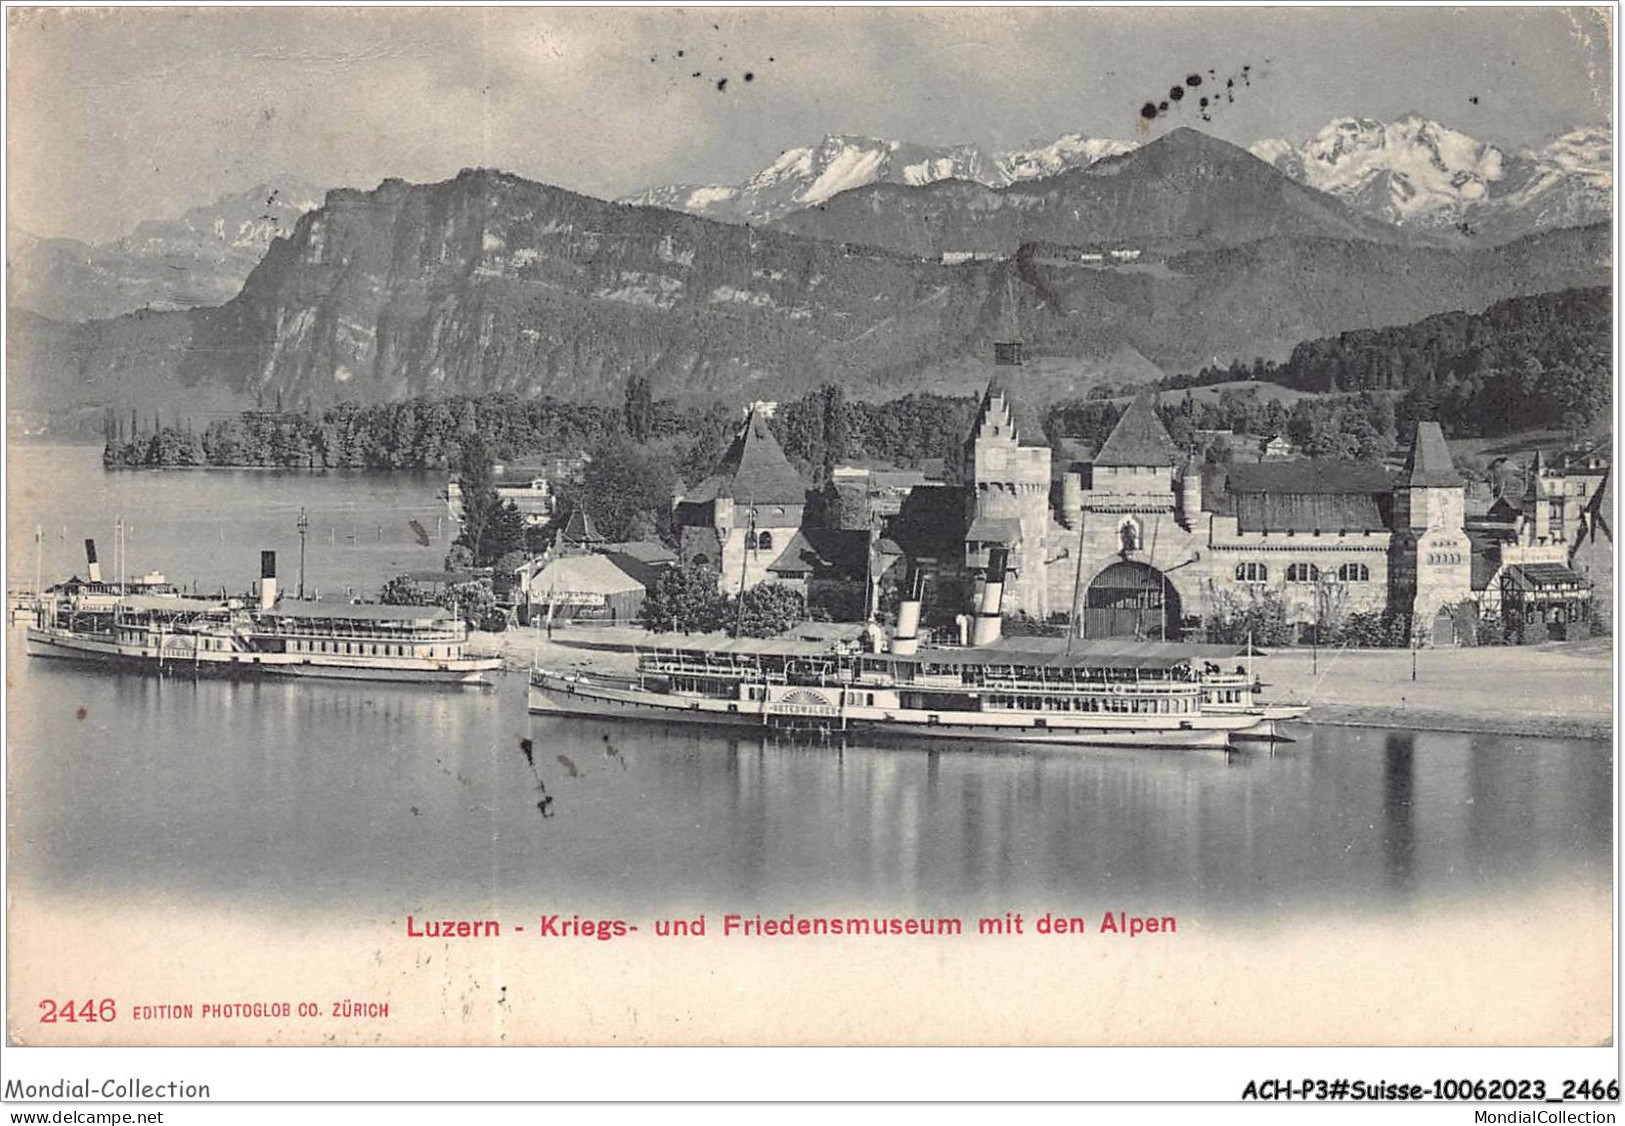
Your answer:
<point x="1524" y="363"/>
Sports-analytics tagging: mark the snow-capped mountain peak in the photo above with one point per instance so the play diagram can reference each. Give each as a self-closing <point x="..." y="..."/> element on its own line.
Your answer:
<point x="808" y="175"/>
<point x="1416" y="171"/>
<point x="1409" y="170"/>
<point x="1066" y="152"/>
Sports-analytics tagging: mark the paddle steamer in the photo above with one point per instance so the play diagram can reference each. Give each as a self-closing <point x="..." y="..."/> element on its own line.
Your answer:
<point x="167" y="631"/>
<point x="1027" y="690"/>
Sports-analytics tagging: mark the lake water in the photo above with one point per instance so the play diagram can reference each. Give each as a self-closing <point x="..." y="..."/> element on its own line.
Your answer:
<point x="309" y="796"/>
<point x="209" y="525"/>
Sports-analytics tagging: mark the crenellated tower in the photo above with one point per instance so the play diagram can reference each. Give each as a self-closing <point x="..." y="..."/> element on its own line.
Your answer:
<point x="1007" y="463"/>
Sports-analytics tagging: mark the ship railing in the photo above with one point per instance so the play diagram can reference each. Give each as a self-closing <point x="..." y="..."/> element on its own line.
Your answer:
<point x="409" y="634"/>
<point x="1091" y="688"/>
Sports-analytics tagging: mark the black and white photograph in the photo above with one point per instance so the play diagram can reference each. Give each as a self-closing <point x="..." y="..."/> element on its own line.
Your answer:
<point x="810" y="526"/>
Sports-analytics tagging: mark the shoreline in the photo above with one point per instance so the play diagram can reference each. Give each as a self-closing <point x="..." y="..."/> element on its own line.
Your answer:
<point x="1553" y="691"/>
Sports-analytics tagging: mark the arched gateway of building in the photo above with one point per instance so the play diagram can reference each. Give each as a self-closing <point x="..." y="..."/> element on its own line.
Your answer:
<point x="1131" y="599"/>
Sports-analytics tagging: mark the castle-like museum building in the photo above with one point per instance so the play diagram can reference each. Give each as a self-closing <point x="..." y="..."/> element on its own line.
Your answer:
<point x="1149" y="542"/>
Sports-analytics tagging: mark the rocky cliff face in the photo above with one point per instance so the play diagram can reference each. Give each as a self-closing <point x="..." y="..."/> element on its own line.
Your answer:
<point x="488" y="282"/>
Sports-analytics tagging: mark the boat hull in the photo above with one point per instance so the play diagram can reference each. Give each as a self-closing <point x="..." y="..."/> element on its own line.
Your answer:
<point x="475" y="671"/>
<point x="554" y="694"/>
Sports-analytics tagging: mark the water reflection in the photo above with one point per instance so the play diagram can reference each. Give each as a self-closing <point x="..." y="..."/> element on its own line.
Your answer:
<point x="392" y="799"/>
<point x="1398" y="839"/>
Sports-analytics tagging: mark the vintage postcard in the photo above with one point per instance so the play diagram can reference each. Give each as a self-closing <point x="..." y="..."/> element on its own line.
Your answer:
<point x="810" y="526"/>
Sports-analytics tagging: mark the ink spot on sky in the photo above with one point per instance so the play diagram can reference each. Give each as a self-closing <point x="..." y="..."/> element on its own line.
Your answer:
<point x="80" y="713"/>
<point x="696" y="74"/>
<point x="722" y="85"/>
<point x="1474" y="99"/>
<point x="679" y="54"/>
<point x="750" y="77"/>
<point x="1193" y="80"/>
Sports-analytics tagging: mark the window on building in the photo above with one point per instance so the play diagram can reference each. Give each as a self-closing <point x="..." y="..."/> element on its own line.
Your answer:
<point x="764" y="541"/>
<point x="1252" y="573"/>
<point x="1302" y="573"/>
<point x="1354" y="573"/>
<point x="700" y="561"/>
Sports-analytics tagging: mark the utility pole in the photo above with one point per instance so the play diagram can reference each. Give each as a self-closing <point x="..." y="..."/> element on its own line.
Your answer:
<point x="744" y="572"/>
<point x="303" y="524"/>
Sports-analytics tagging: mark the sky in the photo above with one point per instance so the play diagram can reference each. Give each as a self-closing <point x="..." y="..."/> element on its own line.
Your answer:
<point x="114" y="116"/>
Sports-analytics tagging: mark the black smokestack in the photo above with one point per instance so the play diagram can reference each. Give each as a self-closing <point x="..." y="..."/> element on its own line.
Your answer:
<point x="989" y="617"/>
<point x="267" y="564"/>
<point x="90" y="559"/>
<point x="998" y="560"/>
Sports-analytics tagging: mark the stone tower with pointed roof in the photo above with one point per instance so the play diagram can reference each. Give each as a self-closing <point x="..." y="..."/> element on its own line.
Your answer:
<point x="1007" y="465"/>
<point x="1432" y="565"/>
<point x="1135" y="531"/>
<point x="742" y="517"/>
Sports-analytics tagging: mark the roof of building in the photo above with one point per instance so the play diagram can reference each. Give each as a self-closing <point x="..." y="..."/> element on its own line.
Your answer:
<point x="1536" y="576"/>
<point x="1486" y="561"/>
<point x="643" y="550"/>
<point x="826" y="552"/>
<point x="753" y="471"/>
<point x="1139" y="438"/>
<point x="1312" y="512"/>
<point x="358" y="611"/>
<point x="583" y="574"/>
<point x="1307" y="476"/>
<point x="1429" y="463"/>
<point x="1309" y="496"/>
<point x="645" y="574"/>
<point x="1024" y="421"/>
<point x="1584" y="461"/>
<point x="994" y="529"/>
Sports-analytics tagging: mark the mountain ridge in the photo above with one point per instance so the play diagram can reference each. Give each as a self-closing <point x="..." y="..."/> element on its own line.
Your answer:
<point x="489" y="282"/>
<point x="808" y="175"/>
<point x="1413" y="171"/>
<point x="198" y="258"/>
